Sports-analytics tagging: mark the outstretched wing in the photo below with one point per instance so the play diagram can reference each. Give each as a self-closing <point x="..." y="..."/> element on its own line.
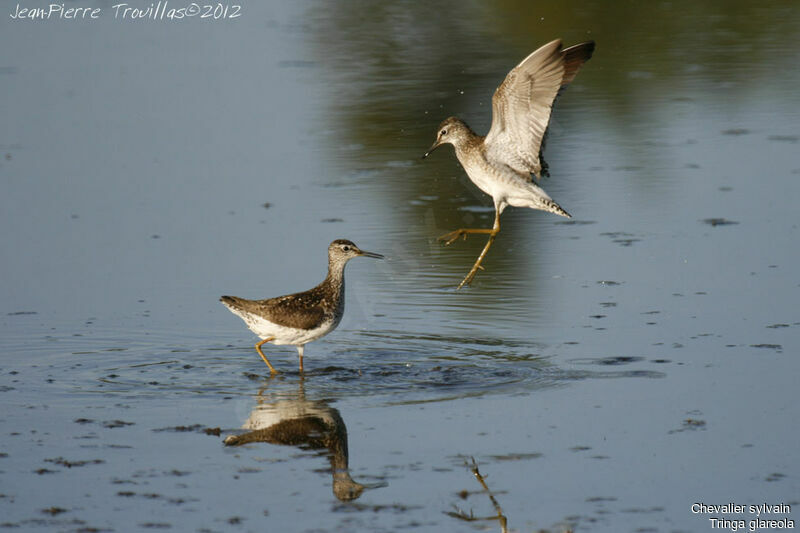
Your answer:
<point x="522" y="104"/>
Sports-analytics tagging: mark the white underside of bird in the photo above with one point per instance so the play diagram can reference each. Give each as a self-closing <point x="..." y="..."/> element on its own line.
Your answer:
<point x="508" y="187"/>
<point x="282" y="335"/>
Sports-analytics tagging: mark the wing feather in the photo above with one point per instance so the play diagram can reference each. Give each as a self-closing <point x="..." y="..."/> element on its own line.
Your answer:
<point x="302" y="310"/>
<point x="522" y="104"/>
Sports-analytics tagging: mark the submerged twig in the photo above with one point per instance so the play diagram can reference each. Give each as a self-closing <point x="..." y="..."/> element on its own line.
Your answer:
<point x="470" y="517"/>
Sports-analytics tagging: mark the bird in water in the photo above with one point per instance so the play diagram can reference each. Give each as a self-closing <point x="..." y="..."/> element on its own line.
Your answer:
<point x="501" y="163"/>
<point x="300" y="318"/>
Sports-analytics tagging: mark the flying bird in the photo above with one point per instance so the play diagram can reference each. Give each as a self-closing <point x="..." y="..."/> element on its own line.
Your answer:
<point x="501" y="163"/>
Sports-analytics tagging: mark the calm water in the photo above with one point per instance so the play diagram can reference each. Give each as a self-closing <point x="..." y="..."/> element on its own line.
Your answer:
<point x="604" y="372"/>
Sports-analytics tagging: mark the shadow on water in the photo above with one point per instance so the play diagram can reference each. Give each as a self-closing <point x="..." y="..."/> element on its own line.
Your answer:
<point x="290" y="419"/>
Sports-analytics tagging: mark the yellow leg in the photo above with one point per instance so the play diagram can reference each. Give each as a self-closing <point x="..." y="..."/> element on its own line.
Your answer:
<point x="471" y="275"/>
<point x="492" y="234"/>
<point x="264" y="357"/>
<point x="300" y="353"/>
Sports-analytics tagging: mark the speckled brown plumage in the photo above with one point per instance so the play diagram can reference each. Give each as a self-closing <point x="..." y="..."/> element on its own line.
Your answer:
<point x="302" y="317"/>
<point x="303" y="310"/>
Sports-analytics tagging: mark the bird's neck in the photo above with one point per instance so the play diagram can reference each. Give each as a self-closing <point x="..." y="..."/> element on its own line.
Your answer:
<point x="467" y="142"/>
<point x="335" y="276"/>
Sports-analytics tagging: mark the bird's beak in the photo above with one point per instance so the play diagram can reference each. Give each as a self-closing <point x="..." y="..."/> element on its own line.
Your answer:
<point x="433" y="147"/>
<point x="371" y="254"/>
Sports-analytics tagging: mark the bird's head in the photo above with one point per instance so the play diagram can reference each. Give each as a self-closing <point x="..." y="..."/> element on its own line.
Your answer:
<point x="452" y="130"/>
<point x="342" y="250"/>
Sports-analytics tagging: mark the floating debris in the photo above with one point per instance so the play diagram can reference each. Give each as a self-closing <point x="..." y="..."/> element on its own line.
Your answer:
<point x="618" y="360"/>
<point x="70" y="464"/>
<point x="719" y="222"/>
<point x="111" y="424"/>
<point x="690" y="424"/>
<point x="516" y="456"/>
<point x="768" y="346"/>
<point x="784" y="138"/>
<point x="620" y="237"/>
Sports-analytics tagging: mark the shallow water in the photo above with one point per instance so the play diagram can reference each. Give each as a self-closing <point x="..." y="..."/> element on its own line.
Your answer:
<point x="605" y="372"/>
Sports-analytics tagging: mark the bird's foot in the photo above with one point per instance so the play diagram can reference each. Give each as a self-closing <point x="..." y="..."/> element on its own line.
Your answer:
<point x="450" y="238"/>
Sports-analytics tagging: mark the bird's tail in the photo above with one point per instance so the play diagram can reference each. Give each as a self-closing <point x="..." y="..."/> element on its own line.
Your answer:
<point x="534" y="197"/>
<point x="235" y="305"/>
<point x="231" y="302"/>
<point x="553" y="207"/>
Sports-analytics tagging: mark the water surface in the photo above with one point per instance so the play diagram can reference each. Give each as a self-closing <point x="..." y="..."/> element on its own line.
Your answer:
<point x="605" y="372"/>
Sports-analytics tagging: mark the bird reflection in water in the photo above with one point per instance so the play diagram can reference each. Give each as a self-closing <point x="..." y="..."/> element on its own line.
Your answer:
<point x="307" y="424"/>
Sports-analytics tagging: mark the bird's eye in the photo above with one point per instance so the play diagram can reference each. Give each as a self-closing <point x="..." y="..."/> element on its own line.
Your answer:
<point x="443" y="132"/>
<point x="346" y="248"/>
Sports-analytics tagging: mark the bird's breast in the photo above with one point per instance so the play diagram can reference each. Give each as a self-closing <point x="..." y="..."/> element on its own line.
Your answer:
<point x="497" y="180"/>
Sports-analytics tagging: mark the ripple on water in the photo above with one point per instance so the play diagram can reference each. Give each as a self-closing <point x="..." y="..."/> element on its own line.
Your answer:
<point x="398" y="368"/>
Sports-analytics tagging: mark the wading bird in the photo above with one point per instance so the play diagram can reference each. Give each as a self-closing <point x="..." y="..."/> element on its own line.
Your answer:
<point x="300" y="318"/>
